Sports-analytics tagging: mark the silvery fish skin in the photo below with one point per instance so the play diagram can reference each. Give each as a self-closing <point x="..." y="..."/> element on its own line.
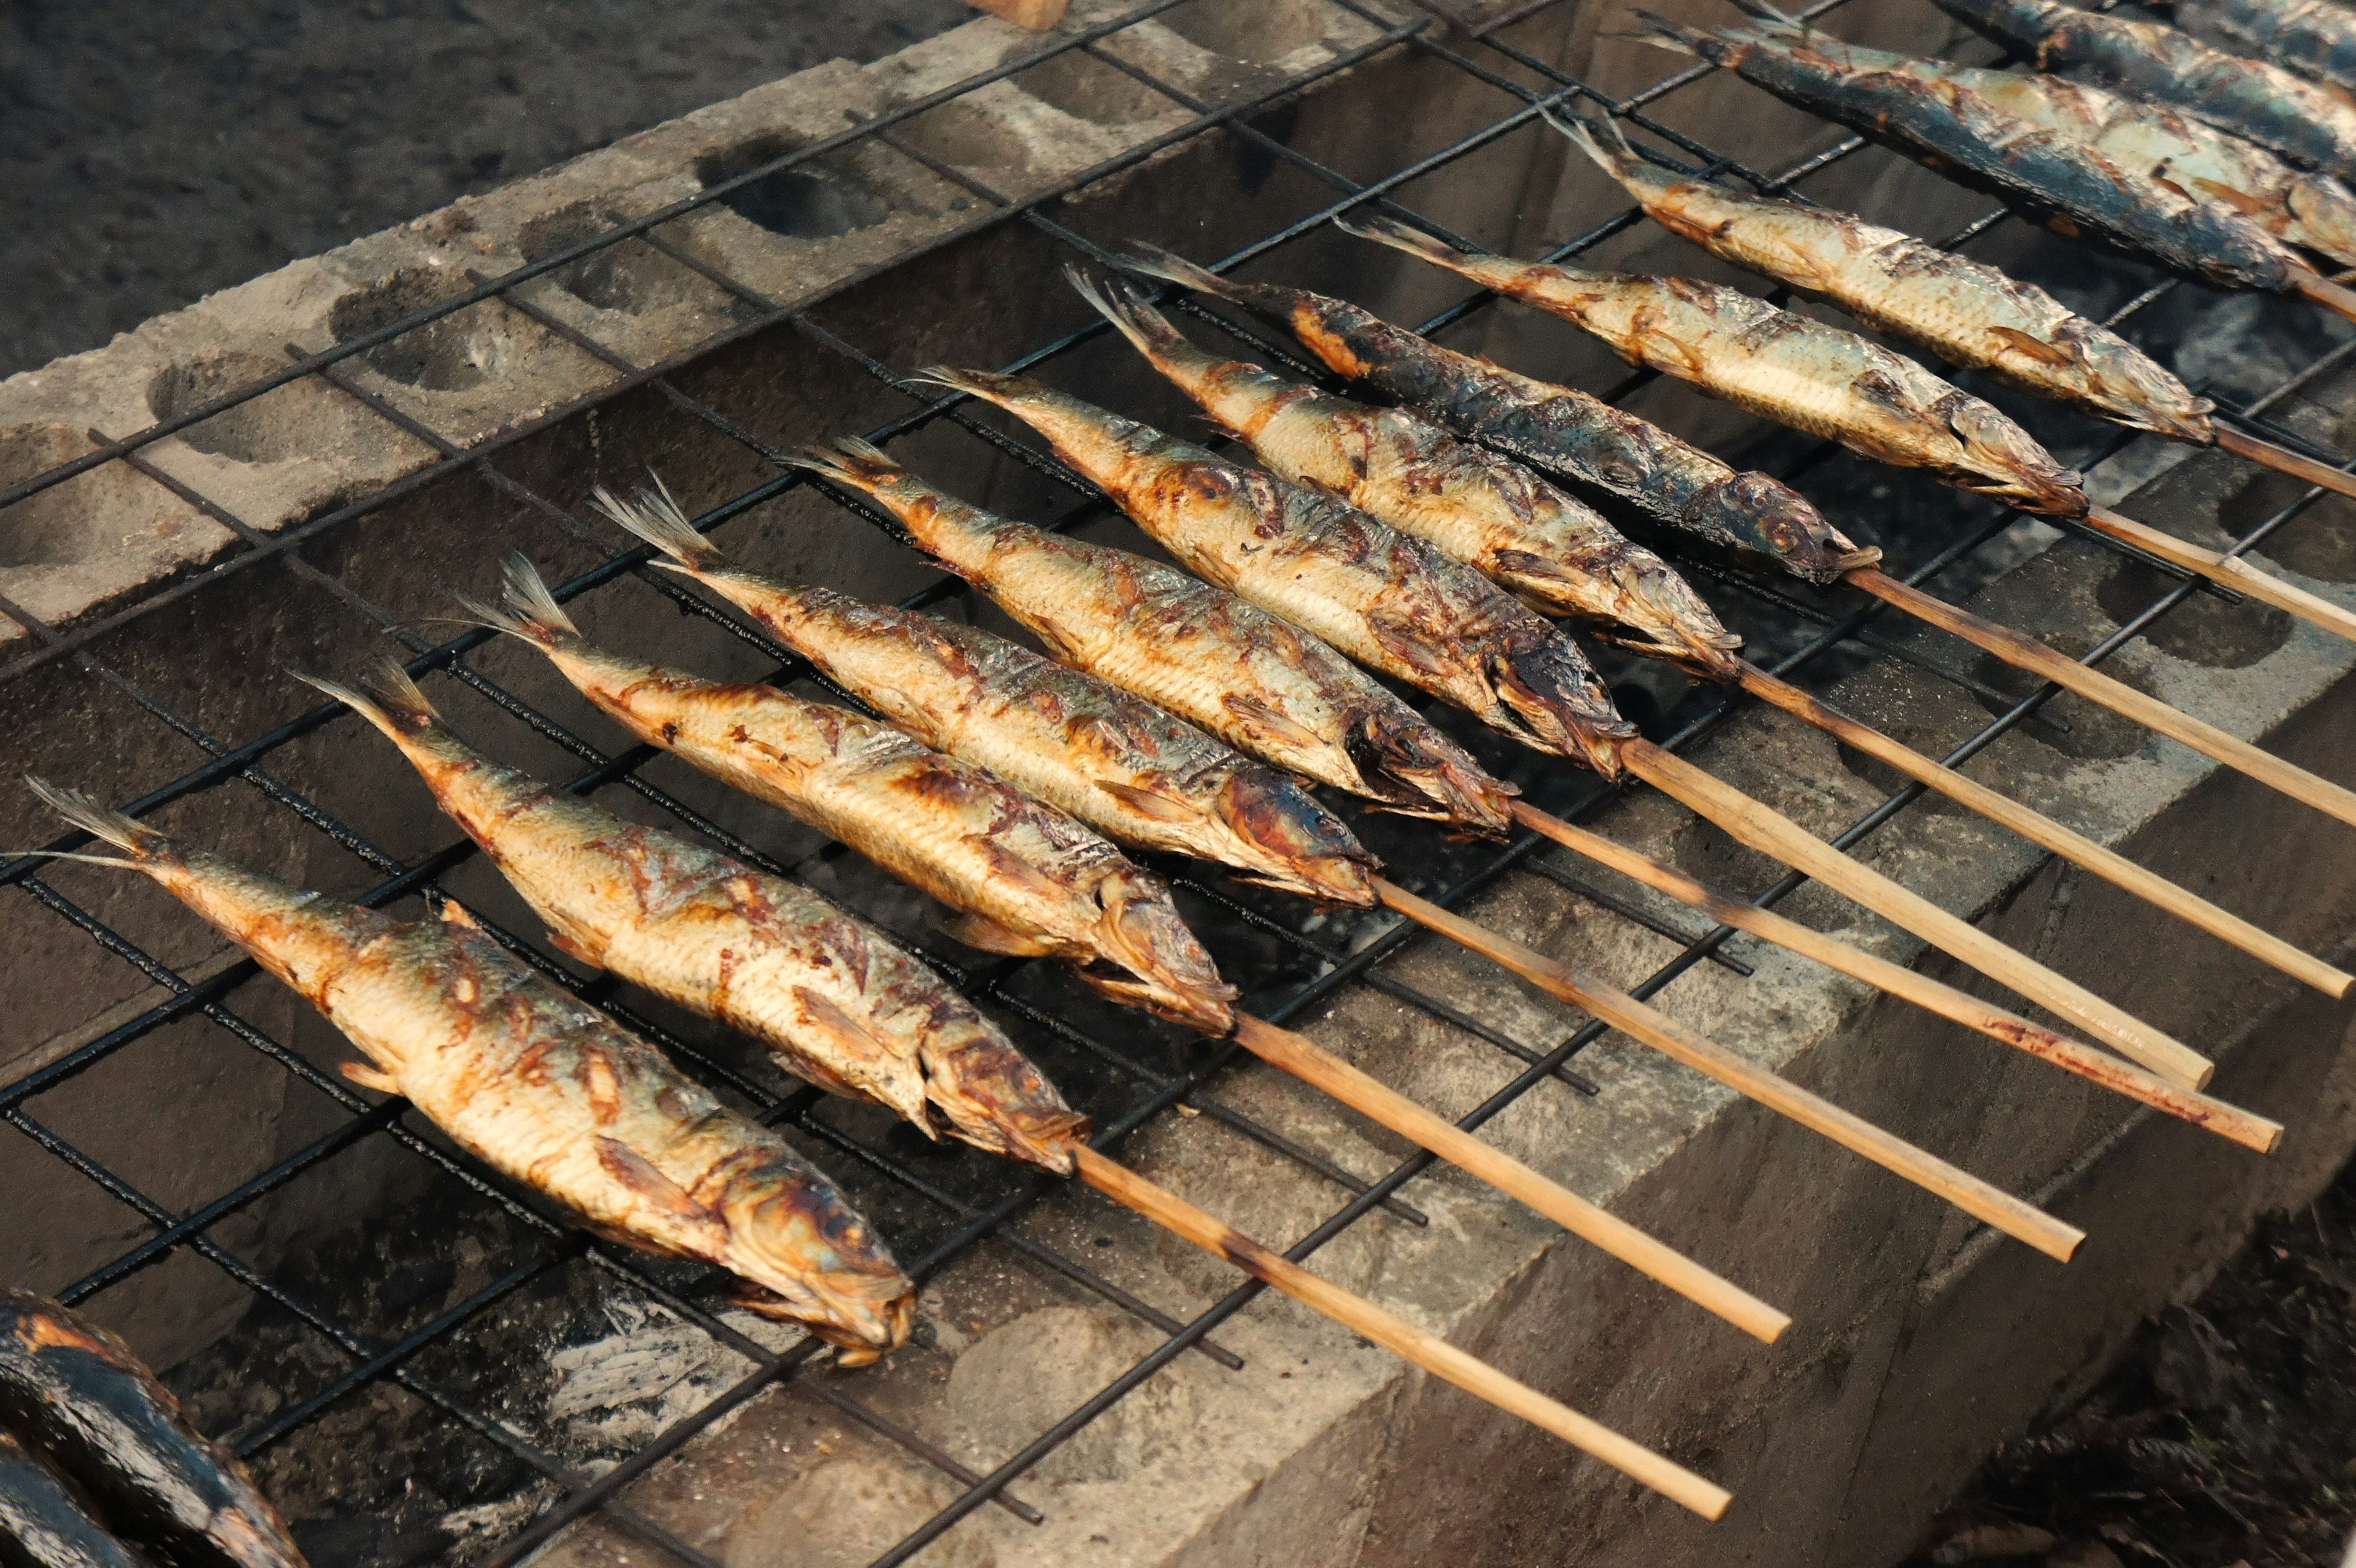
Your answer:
<point x="1969" y="314"/>
<point x="2070" y="188"/>
<point x="2314" y="37"/>
<point x="836" y="1002"/>
<point x="1554" y="428"/>
<point x="1781" y="366"/>
<point x="1025" y="879"/>
<point x="548" y="1091"/>
<point x="1387" y="599"/>
<point x="44" y="1525"/>
<point x="1118" y="762"/>
<point x="2252" y="100"/>
<point x="1256" y="681"/>
<point x="1476" y="506"/>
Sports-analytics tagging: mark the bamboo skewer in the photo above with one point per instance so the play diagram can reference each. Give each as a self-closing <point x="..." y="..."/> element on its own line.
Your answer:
<point x="2231" y="570"/>
<point x="2043" y="830"/>
<point x="1649" y="1027"/>
<point x="1754" y="824"/>
<point x="2285" y="461"/>
<point x="1425" y="1350"/>
<point x="2030" y="654"/>
<point x="2096" y="1066"/>
<point x="2313" y="286"/>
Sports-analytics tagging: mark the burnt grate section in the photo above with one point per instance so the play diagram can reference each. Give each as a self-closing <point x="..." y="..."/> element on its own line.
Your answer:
<point x="938" y="1206"/>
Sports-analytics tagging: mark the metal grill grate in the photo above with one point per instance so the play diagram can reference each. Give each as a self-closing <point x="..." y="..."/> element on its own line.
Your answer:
<point x="977" y="1201"/>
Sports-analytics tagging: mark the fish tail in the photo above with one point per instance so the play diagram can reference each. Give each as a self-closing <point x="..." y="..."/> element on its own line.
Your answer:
<point x="1612" y="159"/>
<point x="658" y="519"/>
<point x="989" y="386"/>
<point x="1770" y="19"/>
<point x="1147" y="329"/>
<point x="386" y="697"/>
<point x="1660" y="31"/>
<point x="1152" y="261"/>
<point x="1399" y="237"/>
<point x="848" y="460"/>
<point x="135" y="839"/>
<point x="526" y="608"/>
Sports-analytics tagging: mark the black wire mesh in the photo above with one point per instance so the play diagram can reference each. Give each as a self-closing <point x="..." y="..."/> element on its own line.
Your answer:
<point x="964" y="1200"/>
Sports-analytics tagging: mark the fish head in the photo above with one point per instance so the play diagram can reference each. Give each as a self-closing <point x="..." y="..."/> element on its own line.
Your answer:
<point x="990" y="1095"/>
<point x="1293" y="843"/>
<point x="2032" y="480"/>
<point x="807" y="1257"/>
<point x="1152" y="959"/>
<point x="1412" y="769"/>
<point x="1562" y="706"/>
<point x="1771" y="518"/>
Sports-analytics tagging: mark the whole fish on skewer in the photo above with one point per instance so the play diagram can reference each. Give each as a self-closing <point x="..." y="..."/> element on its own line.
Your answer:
<point x="1286" y="696"/>
<point x="547" y="1090"/>
<point x="2314" y="37"/>
<point x="1387" y="599"/>
<point x="1478" y="507"/>
<point x="2310" y="125"/>
<point x="1554" y="428"/>
<point x="1781" y="366"/>
<point x="1119" y="764"/>
<point x="81" y="1401"/>
<point x="837" y="1003"/>
<point x="2055" y="179"/>
<point x="1969" y="314"/>
<point x="43" y="1524"/>
<point x="1025" y="879"/>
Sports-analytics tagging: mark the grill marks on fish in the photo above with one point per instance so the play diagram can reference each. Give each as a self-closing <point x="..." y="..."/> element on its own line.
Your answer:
<point x="95" y="1424"/>
<point x="2068" y="187"/>
<point x="1025" y="878"/>
<point x="1970" y="315"/>
<point x="1781" y="366"/>
<point x="1384" y="598"/>
<point x="1255" y="682"/>
<point x="548" y="1091"/>
<point x="2309" y="124"/>
<point x="1553" y="428"/>
<point x="1476" y="506"/>
<point x="837" y="1003"/>
<point x="1081" y="744"/>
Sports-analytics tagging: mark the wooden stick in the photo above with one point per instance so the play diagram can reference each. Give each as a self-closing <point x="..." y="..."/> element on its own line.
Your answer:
<point x="2030" y="654"/>
<point x="1425" y="1350"/>
<point x="2241" y="444"/>
<point x="2230" y="569"/>
<point x="1649" y="1027"/>
<point x="2043" y="830"/>
<point x="2312" y="285"/>
<point x="1306" y="1060"/>
<point x="1753" y="823"/>
<point x="2096" y="1066"/>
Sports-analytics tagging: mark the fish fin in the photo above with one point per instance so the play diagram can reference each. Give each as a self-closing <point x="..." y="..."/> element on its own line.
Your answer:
<point x="1151" y="802"/>
<point x="1015" y="868"/>
<point x="2035" y="348"/>
<point x="641" y="1176"/>
<point x="659" y="519"/>
<point x="455" y="914"/>
<point x="2241" y="201"/>
<point x="863" y="1041"/>
<point x="386" y="697"/>
<point x="526" y="608"/>
<point x="1147" y="329"/>
<point x="99" y="821"/>
<point x="1407" y="645"/>
<point x="979" y="930"/>
<point x="1260" y="716"/>
<point x="1152" y="261"/>
<point x="368" y="1077"/>
<point x="573" y="947"/>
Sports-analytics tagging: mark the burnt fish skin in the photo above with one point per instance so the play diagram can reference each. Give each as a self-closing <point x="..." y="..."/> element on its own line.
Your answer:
<point x="1127" y="768"/>
<point x="1557" y="428"/>
<point x="2072" y="190"/>
<point x="546" y="1089"/>
<point x="2313" y="37"/>
<point x="2252" y="98"/>
<point x="44" y="1525"/>
<point x="1388" y="599"/>
<point x="835" y="1001"/>
<point x="79" y="1399"/>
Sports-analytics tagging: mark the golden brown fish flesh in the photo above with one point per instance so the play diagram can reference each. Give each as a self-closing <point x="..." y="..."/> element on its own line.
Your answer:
<point x="837" y="1003"/>
<point x="1387" y="599"/>
<point x="1257" y="682"/>
<point x="1024" y="878"/>
<point x="1119" y="764"/>
<point x="547" y="1090"/>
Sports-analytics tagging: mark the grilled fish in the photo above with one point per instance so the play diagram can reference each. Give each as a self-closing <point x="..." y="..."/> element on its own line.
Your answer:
<point x="1116" y="761"/>
<point x="2072" y="189"/>
<point x="1025" y="879"/>
<point x="2314" y="38"/>
<point x="1387" y="599"/>
<point x="82" y="1399"/>
<point x="1780" y="366"/>
<point x="2308" y="124"/>
<point x="1551" y="427"/>
<point x="837" y="1003"/>
<point x="1476" y="506"/>
<point x="1257" y="682"/>
<point x="1970" y="315"/>
<point x="43" y="1524"/>
<point x="547" y="1090"/>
